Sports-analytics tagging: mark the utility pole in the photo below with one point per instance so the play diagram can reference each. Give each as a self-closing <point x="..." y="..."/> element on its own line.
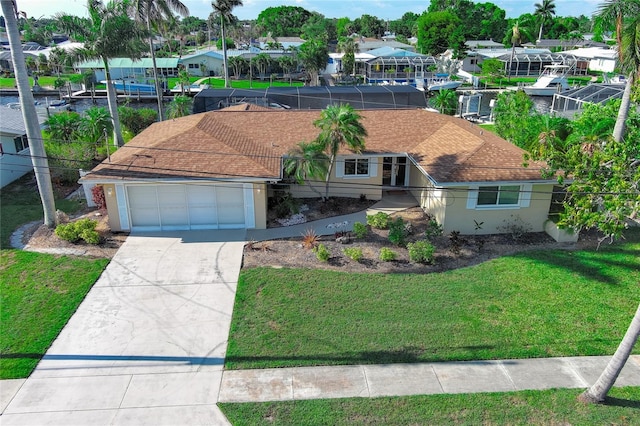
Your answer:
<point x="29" y="115"/>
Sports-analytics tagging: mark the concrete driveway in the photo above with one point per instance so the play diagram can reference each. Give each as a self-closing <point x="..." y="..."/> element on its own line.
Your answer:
<point x="147" y="344"/>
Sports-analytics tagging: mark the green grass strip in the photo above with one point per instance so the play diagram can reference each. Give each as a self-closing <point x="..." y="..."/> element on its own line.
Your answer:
<point x="549" y="407"/>
<point x="38" y="295"/>
<point x="534" y="304"/>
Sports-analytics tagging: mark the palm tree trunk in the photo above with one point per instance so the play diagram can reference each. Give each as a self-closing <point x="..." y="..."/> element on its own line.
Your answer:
<point x="598" y="392"/>
<point x="623" y="112"/>
<point x="112" y="101"/>
<point x="224" y="53"/>
<point x="30" y="116"/>
<point x="326" y="179"/>
<point x="155" y="68"/>
<point x="540" y="33"/>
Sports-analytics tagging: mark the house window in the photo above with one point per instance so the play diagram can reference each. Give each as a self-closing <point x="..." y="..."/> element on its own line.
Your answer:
<point x="505" y="195"/>
<point x="21" y="143"/>
<point x="356" y="167"/>
<point x="192" y="66"/>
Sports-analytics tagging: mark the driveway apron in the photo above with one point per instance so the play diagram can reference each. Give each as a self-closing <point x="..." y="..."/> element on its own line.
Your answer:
<point x="147" y="344"/>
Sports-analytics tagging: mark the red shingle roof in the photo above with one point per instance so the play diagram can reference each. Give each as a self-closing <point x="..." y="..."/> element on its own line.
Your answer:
<point x="250" y="144"/>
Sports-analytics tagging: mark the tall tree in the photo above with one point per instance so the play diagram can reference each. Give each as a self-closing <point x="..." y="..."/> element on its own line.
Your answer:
<point x="613" y="13"/>
<point x="282" y="21"/>
<point x="224" y="8"/>
<point x="339" y="126"/>
<point x="439" y="31"/>
<point x="29" y="114"/>
<point x="313" y="55"/>
<point x="107" y="33"/>
<point x="627" y="19"/>
<point x="349" y="47"/>
<point x="630" y="49"/>
<point x="153" y="13"/>
<point x="545" y="10"/>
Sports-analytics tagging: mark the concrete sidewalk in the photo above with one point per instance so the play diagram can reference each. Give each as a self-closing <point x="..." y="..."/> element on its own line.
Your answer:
<point x="368" y="381"/>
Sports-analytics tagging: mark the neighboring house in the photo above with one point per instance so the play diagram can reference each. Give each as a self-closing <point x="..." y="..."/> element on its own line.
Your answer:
<point x="15" y="158"/>
<point x="217" y="170"/>
<point x="287" y="43"/>
<point x="203" y="63"/>
<point x="600" y="59"/>
<point x="557" y="45"/>
<point x="483" y="44"/>
<point x="127" y="68"/>
<point x="367" y="44"/>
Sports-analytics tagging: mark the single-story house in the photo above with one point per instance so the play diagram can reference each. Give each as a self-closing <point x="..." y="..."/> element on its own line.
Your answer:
<point x="15" y="158"/>
<point x="127" y="68"/>
<point x="217" y="170"/>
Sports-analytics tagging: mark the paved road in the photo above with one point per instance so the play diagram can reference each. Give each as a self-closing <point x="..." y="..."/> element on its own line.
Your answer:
<point x="147" y="344"/>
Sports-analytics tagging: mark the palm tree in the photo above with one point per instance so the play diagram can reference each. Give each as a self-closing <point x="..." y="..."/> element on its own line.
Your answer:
<point x="180" y="106"/>
<point x="598" y="392"/>
<point x="107" y="33"/>
<point x="445" y="102"/>
<point x="613" y="12"/>
<point x="313" y="55"/>
<point x="630" y="50"/>
<point x="29" y="114"/>
<point x="287" y="63"/>
<point x="262" y="61"/>
<point x="516" y="39"/>
<point x="545" y="10"/>
<point x="224" y="9"/>
<point x="306" y="161"/>
<point x="96" y="124"/>
<point x="349" y="47"/>
<point x="154" y="12"/>
<point x="238" y="63"/>
<point x="339" y="126"/>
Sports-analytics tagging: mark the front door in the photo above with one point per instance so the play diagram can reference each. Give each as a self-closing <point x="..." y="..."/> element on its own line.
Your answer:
<point x="394" y="171"/>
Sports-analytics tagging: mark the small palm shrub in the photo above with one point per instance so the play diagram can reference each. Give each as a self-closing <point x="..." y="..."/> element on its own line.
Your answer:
<point x="398" y="232"/>
<point x="310" y="239"/>
<point x="353" y="253"/>
<point x="379" y="220"/>
<point x="421" y="252"/>
<point x="322" y="253"/>
<point x="360" y="230"/>
<point x="83" y="229"/>
<point x="387" y="255"/>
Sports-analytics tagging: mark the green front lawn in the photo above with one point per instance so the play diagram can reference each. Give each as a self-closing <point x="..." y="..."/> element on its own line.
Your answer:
<point x="534" y="304"/>
<point x="549" y="407"/>
<point x="218" y="83"/>
<point x="38" y="292"/>
<point x="20" y="203"/>
<point x="38" y="295"/>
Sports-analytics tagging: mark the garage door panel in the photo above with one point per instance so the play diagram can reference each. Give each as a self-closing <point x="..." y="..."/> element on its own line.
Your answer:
<point x="143" y="206"/>
<point x="202" y="207"/>
<point x="173" y="207"/>
<point x="230" y="205"/>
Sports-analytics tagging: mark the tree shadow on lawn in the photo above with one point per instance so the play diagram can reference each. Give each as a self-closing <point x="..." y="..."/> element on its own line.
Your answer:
<point x="594" y="265"/>
<point x="618" y="402"/>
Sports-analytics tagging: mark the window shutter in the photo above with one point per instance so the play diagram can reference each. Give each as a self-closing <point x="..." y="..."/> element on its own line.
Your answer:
<point x="339" y="167"/>
<point x="525" y="194"/>
<point x="373" y="167"/>
<point x="472" y="197"/>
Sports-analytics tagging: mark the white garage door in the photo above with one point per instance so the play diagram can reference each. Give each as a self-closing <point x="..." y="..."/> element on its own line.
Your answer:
<point x="177" y="207"/>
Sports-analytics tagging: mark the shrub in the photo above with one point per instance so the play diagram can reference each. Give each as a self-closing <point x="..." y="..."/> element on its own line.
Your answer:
<point x="309" y="239"/>
<point x="398" y="232"/>
<point x="83" y="229"/>
<point x="97" y="195"/>
<point x="360" y="229"/>
<point x="421" y="252"/>
<point x="387" y="255"/>
<point x="136" y="120"/>
<point x="322" y="253"/>
<point x="515" y="226"/>
<point x="434" y="229"/>
<point x="65" y="159"/>
<point x="379" y="220"/>
<point x="353" y="253"/>
<point x="456" y="242"/>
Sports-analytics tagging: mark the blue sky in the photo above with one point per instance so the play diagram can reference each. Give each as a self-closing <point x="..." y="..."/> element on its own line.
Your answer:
<point x="384" y="9"/>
